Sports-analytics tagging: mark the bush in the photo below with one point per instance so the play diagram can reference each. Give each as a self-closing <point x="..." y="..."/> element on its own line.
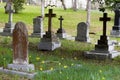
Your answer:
<point x="18" y="5"/>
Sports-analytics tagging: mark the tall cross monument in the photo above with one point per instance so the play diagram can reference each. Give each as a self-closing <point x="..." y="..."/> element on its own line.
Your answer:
<point x="50" y="15"/>
<point x="103" y="42"/>
<point x="104" y="19"/>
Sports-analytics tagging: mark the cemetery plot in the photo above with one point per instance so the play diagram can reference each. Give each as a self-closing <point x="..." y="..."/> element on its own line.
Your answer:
<point x="62" y="63"/>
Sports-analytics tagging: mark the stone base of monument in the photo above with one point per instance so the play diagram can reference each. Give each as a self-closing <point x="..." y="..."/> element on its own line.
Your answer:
<point x="81" y="39"/>
<point x="61" y="35"/>
<point x="22" y="67"/>
<point x="7" y="31"/>
<point x="29" y="75"/>
<point x="40" y="35"/>
<point x="101" y="55"/>
<point x="49" y="41"/>
<point x="50" y="46"/>
<point x="115" y="33"/>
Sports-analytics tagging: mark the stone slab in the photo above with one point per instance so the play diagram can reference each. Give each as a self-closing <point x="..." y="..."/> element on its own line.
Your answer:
<point x="9" y="27"/>
<point x="5" y="34"/>
<point x="101" y="55"/>
<point x="102" y="48"/>
<point x="40" y="35"/>
<point x="61" y="35"/>
<point x="69" y="37"/>
<point x="50" y="46"/>
<point x="22" y="67"/>
<point x="82" y="32"/>
<point x="115" y="33"/>
<point x="22" y="74"/>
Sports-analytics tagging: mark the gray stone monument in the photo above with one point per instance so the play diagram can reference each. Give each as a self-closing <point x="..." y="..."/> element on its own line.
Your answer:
<point x="82" y="32"/>
<point x="116" y="28"/>
<point x="37" y="27"/>
<point x="104" y="49"/>
<point x="61" y="32"/>
<point x="9" y="26"/>
<point x="20" y="49"/>
<point x="49" y="41"/>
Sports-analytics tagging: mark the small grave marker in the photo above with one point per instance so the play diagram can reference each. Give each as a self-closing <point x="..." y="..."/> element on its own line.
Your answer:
<point x="61" y="32"/>
<point x="82" y="32"/>
<point x="38" y="27"/>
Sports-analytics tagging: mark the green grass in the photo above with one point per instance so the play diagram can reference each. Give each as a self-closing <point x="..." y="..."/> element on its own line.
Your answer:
<point x="63" y="61"/>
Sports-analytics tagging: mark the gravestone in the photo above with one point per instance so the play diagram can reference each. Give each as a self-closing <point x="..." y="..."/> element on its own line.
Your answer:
<point x="37" y="27"/>
<point x="104" y="49"/>
<point x="61" y="32"/>
<point x="9" y="26"/>
<point x="49" y="41"/>
<point x="82" y="32"/>
<point x="20" y="49"/>
<point x="116" y="28"/>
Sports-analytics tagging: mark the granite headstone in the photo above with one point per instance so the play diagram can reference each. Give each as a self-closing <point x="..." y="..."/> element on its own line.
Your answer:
<point x="116" y="28"/>
<point x="37" y="27"/>
<point x="82" y="32"/>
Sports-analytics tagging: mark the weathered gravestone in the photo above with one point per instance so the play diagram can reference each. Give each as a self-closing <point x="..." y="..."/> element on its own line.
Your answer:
<point x="116" y="28"/>
<point x="49" y="41"/>
<point x="82" y="32"/>
<point x="104" y="49"/>
<point x="9" y="26"/>
<point x="20" y="64"/>
<point x="37" y="26"/>
<point x="20" y="49"/>
<point x="61" y="32"/>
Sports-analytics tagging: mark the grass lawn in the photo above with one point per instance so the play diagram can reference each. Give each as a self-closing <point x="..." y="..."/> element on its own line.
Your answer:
<point x="66" y="62"/>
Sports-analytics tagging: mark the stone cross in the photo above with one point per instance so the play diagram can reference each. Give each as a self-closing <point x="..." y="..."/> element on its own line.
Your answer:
<point x="60" y="21"/>
<point x="50" y="15"/>
<point x="20" y="44"/>
<point x="104" y="19"/>
<point x="10" y="12"/>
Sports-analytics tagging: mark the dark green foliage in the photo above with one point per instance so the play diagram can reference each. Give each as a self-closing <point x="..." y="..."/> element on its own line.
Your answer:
<point x="111" y="3"/>
<point x="18" y="5"/>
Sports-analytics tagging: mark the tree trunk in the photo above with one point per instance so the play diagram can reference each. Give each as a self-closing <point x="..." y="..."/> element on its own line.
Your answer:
<point x="88" y="12"/>
<point x="75" y="5"/>
<point x="1" y="1"/>
<point x="42" y="8"/>
<point x="63" y="4"/>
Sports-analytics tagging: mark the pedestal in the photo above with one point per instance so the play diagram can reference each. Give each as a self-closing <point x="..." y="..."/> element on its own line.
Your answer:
<point x="101" y="55"/>
<point x="7" y="31"/>
<point x="50" y="46"/>
<point x="61" y="33"/>
<point x="82" y="39"/>
<point x="49" y="42"/>
<point x="40" y="35"/>
<point x="115" y="31"/>
<point x="21" y="67"/>
<point x="103" y="50"/>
